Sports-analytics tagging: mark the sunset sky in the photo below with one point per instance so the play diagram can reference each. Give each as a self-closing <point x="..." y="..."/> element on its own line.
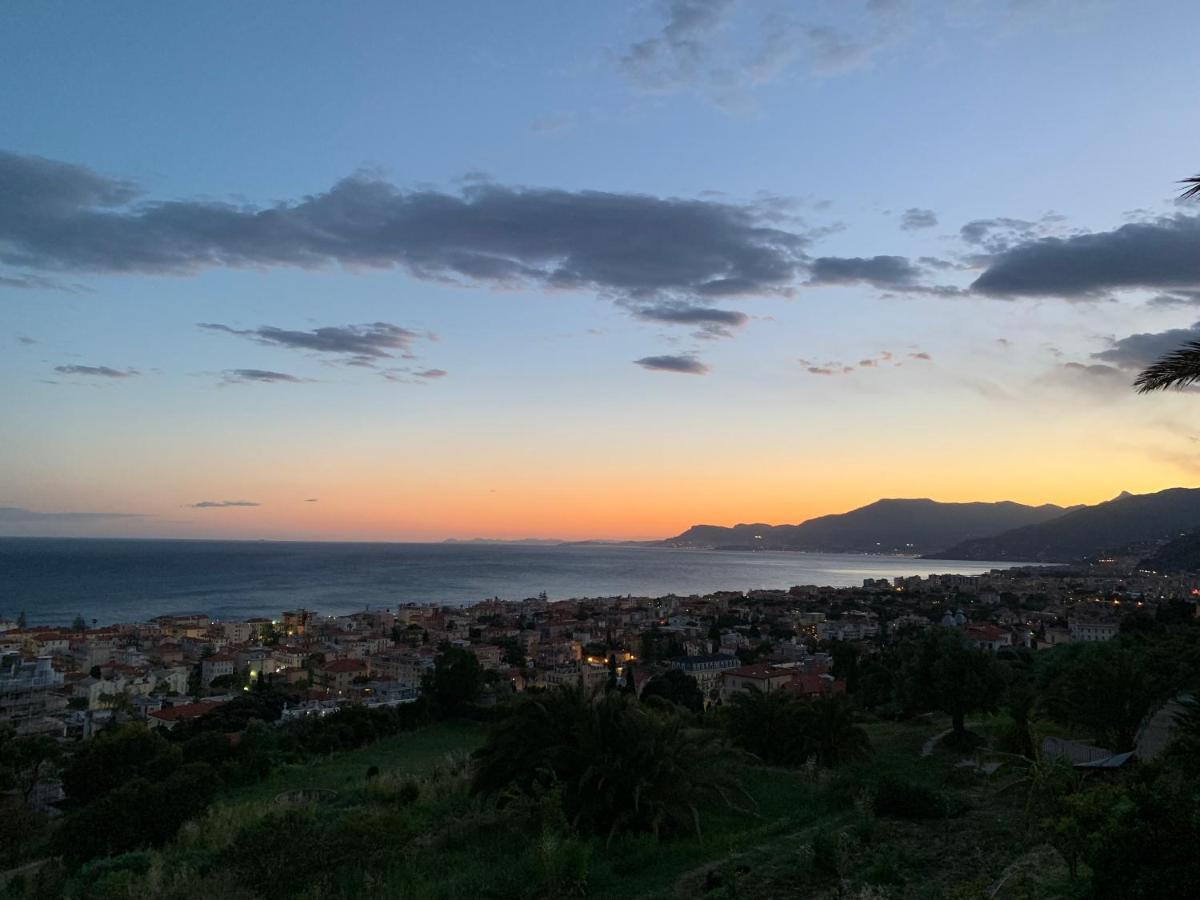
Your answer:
<point x="586" y="270"/>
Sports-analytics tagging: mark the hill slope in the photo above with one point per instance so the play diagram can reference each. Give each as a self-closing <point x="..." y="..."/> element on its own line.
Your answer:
<point x="885" y="526"/>
<point x="1090" y="531"/>
<point x="1179" y="555"/>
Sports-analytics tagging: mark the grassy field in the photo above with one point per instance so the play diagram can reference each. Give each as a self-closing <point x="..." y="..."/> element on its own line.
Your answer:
<point x="414" y="831"/>
<point x="412" y="753"/>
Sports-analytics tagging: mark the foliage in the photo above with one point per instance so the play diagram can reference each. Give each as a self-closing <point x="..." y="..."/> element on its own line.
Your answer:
<point x="782" y="729"/>
<point x="116" y="757"/>
<point x="908" y="800"/>
<point x="620" y="767"/>
<point x="1105" y="688"/>
<point x="675" y="686"/>
<point x="455" y="682"/>
<point x="26" y="760"/>
<point x="137" y="814"/>
<point x="939" y="670"/>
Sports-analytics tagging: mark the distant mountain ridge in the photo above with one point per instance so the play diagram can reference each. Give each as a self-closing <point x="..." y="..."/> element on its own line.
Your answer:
<point x="912" y="526"/>
<point x="1128" y="523"/>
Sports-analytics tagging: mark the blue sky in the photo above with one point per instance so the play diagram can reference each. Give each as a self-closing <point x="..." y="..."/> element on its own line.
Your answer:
<point x="517" y="404"/>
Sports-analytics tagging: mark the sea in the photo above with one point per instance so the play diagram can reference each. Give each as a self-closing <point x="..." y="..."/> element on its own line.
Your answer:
<point x="53" y="580"/>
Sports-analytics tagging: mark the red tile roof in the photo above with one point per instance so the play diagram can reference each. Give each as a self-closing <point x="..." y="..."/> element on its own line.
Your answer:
<point x="187" y="710"/>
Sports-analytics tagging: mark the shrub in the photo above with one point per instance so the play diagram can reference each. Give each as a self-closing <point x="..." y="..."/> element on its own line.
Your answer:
<point x="620" y="767"/>
<point x="908" y="800"/>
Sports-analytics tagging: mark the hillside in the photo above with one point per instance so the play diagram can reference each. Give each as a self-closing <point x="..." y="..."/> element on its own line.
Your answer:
<point x="1109" y="527"/>
<point x="1179" y="555"/>
<point x="885" y="526"/>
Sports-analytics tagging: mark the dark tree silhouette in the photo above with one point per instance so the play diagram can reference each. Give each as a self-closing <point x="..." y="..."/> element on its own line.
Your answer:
<point x="1179" y="368"/>
<point x="620" y="767"/>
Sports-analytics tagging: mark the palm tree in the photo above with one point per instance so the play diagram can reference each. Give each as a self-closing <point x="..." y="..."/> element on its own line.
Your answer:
<point x="617" y="766"/>
<point x="835" y="733"/>
<point x="1179" y="368"/>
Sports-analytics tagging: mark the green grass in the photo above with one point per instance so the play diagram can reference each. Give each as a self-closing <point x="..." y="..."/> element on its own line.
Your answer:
<point x="807" y="833"/>
<point x="411" y="753"/>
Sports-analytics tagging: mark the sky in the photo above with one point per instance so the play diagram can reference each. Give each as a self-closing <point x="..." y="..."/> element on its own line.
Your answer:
<point x="378" y="271"/>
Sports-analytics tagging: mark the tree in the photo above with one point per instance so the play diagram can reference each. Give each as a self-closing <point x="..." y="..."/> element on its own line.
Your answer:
<point x="1179" y="368"/>
<point x="1106" y="688"/>
<point x="22" y="620"/>
<point x="115" y="757"/>
<point x="455" y="681"/>
<point x="630" y="679"/>
<point x="940" y="670"/>
<point x="26" y="761"/>
<point x="514" y="654"/>
<point x="782" y="729"/>
<point x="618" y="766"/>
<point x="675" y="686"/>
<point x="833" y="732"/>
<point x="79" y="624"/>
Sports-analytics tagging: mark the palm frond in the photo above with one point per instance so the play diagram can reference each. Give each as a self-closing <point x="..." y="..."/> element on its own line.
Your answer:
<point x="1193" y="187"/>
<point x="1178" y="369"/>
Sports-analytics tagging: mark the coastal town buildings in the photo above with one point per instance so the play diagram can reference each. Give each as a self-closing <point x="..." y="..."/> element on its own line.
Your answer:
<point x="69" y="682"/>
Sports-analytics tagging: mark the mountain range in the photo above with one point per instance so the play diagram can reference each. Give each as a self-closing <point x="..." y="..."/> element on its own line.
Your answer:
<point x="1128" y="523"/>
<point x="885" y="526"/>
<point x="1004" y="531"/>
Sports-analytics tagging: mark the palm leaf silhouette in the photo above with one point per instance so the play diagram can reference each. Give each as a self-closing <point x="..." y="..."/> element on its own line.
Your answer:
<point x="1177" y="369"/>
<point x="1181" y="367"/>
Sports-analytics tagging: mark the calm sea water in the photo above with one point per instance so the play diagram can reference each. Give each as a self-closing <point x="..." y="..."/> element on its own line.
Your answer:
<point x="55" y="579"/>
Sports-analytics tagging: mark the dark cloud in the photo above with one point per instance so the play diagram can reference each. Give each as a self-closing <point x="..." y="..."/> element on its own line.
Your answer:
<point x="711" y="321"/>
<point x="632" y="246"/>
<point x="998" y="234"/>
<point x="920" y="356"/>
<point x="1162" y="254"/>
<point x="431" y="373"/>
<point x="16" y="515"/>
<point x="222" y="504"/>
<point x="311" y="500"/>
<point x="96" y="371"/>
<point x="1135" y="352"/>
<point x="23" y="339"/>
<point x="879" y="271"/>
<point x="245" y="376"/>
<point x="362" y="343"/>
<point x="685" y="364"/>
<point x="914" y="219"/>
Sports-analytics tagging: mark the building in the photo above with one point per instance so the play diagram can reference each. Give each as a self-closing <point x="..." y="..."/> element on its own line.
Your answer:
<point x="216" y="666"/>
<point x="987" y="636"/>
<point x="27" y="687"/>
<point x="1094" y="631"/>
<point x="339" y="674"/>
<point x="707" y="670"/>
<point x="170" y="716"/>
<point x="760" y="676"/>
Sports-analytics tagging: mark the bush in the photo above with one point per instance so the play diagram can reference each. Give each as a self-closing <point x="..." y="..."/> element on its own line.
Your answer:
<point x="620" y="767"/>
<point x="907" y="800"/>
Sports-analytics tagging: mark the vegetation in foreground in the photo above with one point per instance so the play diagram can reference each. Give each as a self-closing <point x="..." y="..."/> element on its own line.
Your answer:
<point x="564" y="794"/>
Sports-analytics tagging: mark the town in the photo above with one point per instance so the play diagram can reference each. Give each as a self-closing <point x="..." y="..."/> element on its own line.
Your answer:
<point x="70" y="682"/>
